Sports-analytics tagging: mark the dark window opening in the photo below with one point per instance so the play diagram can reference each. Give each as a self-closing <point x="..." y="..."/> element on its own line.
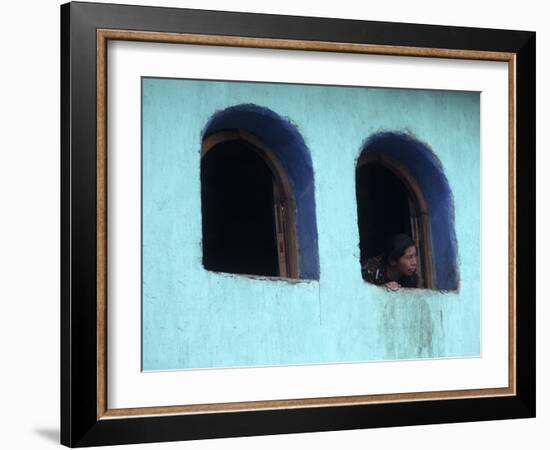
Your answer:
<point x="241" y="214"/>
<point x="387" y="206"/>
<point x="383" y="208"/>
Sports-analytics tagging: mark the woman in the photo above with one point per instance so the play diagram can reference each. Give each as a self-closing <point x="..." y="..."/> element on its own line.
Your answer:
<point x="396" y="267"/>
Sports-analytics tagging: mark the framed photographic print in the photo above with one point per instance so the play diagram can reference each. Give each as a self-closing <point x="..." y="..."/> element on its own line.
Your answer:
<point x="279" y="224"/>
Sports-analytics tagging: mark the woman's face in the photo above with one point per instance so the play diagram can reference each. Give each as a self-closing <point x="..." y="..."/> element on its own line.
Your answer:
<point x="407" y="263"/>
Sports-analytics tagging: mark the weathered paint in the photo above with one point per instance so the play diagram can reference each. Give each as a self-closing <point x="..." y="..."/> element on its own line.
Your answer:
<point x="194" y="318"/>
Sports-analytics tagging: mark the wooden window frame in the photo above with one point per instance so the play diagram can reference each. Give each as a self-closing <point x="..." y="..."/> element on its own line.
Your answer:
<point x="420" y="222"/>
<point x="284" y="203"/>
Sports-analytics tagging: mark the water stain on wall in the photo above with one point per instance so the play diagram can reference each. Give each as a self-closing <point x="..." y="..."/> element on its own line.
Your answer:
<point x="407" y="328"/>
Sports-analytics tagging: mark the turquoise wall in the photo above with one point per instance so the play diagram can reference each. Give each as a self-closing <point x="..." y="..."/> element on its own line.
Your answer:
<point x="193" y="318"/>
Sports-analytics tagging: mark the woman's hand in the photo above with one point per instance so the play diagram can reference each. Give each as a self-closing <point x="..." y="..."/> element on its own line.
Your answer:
<point x="392" y="285"/>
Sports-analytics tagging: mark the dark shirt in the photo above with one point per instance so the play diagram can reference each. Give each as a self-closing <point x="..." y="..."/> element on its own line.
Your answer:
<point x="374" y="271"/>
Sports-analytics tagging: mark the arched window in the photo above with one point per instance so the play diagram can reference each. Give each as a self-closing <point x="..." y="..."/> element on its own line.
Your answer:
<point x="247" y="208"/>
<point x="401" y="188"/>
<point x="257" y="193"/>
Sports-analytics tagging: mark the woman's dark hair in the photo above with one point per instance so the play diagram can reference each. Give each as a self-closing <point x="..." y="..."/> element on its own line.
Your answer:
<point x="396" y="246"/>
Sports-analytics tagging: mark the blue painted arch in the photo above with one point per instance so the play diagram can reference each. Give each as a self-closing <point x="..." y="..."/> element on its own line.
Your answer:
<point x="426" y="169"/>
<point x="288" y="147"/>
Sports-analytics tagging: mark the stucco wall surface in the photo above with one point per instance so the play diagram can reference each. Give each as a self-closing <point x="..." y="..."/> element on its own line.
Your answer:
<point x="194" y="318"/>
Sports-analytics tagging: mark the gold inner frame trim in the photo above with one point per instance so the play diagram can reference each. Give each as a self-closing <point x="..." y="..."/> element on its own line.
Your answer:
<point x="103" y="36"/>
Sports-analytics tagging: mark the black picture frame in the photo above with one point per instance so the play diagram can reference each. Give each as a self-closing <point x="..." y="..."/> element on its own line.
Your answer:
<point x="80" y="424"/>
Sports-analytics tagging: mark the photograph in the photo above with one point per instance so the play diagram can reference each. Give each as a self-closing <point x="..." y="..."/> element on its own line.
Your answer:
<point x="308" y="224"/>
